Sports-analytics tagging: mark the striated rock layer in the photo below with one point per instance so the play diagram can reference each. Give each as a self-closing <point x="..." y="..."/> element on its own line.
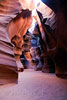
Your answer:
<point x="8" y="67"/>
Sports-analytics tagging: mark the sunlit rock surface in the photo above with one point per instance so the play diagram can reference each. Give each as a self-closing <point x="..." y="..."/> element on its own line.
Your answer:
<point x="8" y="67"/>
<point x="8" y="10"/>
<point x="28" y="4"/>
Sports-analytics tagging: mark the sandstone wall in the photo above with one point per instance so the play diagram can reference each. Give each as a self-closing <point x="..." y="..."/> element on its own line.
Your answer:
<point x="8" y="67"/>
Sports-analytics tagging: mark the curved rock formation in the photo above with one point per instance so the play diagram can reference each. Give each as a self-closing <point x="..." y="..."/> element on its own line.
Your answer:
<point x="8" y="67"/>
<point x="60" y="9"/>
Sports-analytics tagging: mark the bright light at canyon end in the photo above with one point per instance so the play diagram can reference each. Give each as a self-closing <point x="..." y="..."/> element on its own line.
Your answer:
<point x="30" y="4"/>
<point x="37" y="2"/>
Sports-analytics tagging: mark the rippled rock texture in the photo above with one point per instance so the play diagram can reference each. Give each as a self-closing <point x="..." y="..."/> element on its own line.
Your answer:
<point x="8" y="67"/>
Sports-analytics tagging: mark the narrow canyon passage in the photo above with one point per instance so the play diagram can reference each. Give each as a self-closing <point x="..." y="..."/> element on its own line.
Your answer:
<point x="35" y="85"/>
